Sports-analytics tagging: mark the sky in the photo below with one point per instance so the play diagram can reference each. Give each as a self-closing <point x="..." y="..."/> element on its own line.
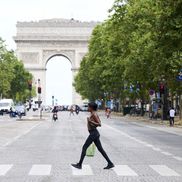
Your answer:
<point x="12" y="11"/>
<point x="61" y="87"/>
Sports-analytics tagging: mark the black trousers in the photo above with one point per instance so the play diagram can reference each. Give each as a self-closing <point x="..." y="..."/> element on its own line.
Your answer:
<point x="93" y="137"/>
<point x="171" y="121"/>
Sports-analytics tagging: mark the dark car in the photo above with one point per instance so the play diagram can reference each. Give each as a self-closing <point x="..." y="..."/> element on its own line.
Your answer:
<point x="20" y="109"/>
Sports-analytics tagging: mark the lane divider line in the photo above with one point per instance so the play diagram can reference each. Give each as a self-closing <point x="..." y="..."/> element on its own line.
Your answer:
<point x="144" y="143"/>
<point x="4" y="169"/>
<point x="21" y="135"/>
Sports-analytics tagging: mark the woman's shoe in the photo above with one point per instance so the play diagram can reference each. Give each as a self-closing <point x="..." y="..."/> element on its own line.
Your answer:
<point x="109" y="166"/>
<point x="78" y="166"/>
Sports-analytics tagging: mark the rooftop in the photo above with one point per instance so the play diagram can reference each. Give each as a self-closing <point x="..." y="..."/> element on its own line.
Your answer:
<point x="56" y="22"/>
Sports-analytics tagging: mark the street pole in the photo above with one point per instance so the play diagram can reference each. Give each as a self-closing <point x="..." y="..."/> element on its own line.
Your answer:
<point x="30" y="93"/>
<point x="53" y="100"/>
<point x="179" y="78"/>
<point x="180" y="102"/>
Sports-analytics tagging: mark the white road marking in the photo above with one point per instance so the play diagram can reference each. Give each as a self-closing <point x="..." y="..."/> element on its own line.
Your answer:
<point x="141" y="142"/>
<point x="166" y="153"/>
<point x="4" y="169"/>
<point x="85" y="171"/>
<point x="177" y="158"/>
<point x="149" y="145"/>
<point x="19" y="136"/>
<point x="164" y="170"/>
<point x="40" y="170"/>
<point x="124" y="170"/>
<point x="164" y="129"/>
<point x="156" y="149"/>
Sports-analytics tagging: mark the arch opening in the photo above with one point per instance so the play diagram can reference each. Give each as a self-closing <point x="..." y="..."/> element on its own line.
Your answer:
<point x="58" y="80"/>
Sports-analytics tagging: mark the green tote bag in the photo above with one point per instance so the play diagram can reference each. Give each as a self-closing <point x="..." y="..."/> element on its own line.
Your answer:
<point x="91" y="150"/>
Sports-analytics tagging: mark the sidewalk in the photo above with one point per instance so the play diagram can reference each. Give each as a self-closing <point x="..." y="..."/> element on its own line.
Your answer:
<point x="178" y="124"/>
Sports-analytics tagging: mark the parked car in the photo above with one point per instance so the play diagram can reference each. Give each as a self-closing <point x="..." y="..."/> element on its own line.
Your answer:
<point x="1" y="113"/>
<point x="84" y="108"/>
<point x="20" y="109"/>
<point x="35" y="107"/>
<point x="6" y="105"/>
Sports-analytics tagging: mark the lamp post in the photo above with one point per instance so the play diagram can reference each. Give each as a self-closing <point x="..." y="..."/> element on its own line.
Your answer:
<point x="53" y="100"/>
<point x="179" y="78"/>
<point x="164" y="94"/>
<point x="30" y="93"/>
<point x="39" y="90"/>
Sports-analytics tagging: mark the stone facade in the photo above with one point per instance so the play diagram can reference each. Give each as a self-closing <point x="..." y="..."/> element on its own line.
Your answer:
<point x="38" y="42"/>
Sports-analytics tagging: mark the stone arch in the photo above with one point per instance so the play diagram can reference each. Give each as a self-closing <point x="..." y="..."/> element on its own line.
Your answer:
<point x="48" y="54"/>
<point x="38" y="42"/>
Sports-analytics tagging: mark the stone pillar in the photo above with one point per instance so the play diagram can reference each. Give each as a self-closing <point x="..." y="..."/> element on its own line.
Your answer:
<point x="76" y="98"/>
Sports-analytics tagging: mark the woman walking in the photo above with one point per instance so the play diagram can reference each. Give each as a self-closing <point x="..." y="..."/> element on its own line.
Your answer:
<point x="92" y="123"/>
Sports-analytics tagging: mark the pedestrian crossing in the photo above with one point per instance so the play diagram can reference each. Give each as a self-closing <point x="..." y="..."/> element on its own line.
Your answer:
<point x="87" y="170"/>
<point x="124" y="170"/>
<point x="164" y="170"/>
<point x="4" y="169"/>
<point x="40" y="170"/>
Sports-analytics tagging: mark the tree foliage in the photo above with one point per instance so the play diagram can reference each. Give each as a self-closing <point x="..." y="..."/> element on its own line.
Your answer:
<point x="13" y="76"/>
<point x="138" y="45"/>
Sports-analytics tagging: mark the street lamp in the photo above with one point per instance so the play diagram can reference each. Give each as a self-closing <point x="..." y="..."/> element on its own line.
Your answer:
<point x="39" y="90"/>
<point x="30" y="92"/>
<point x="164" y="98"/>
<point x="53" y="100"/>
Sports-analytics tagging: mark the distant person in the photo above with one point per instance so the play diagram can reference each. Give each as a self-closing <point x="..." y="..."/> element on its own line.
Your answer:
<point x="92" y="123"/>
<point x="55" y="113"/>
<point x="108" y="113"/>
<point x="72" y="111"/>
<point x="172" y="115"/>
<point x="55" y="109"/>
<point x="11" y="112"/>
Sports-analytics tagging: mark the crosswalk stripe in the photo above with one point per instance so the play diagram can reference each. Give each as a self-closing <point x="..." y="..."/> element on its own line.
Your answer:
<point x="4" y="169"/>
<point x="86" y="170"/>
<point x="164" y="170"/>
<point x="124" y="170"/>
<point x="40" y="170"/>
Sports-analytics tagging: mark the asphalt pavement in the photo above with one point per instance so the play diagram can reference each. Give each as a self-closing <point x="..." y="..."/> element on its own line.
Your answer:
<point x="43" y="150"/>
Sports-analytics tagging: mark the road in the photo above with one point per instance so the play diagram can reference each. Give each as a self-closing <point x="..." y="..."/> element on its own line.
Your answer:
<point x="42" y="151"/>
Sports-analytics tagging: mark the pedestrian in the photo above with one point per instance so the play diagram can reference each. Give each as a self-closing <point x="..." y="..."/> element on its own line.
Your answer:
<point x="55" y="113"/>
<point x="108" y="113"/>
<point x="92" y="123"/>
<point x="172" y="115"/>
<point x="71" y="111"/>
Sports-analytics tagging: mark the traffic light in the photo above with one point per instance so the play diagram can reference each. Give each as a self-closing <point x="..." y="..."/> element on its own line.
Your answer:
<point x="30" y="85"/>
<point x="39" y="90"/>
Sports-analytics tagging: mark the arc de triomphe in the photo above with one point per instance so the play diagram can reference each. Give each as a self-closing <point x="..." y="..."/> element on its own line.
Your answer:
<point x="38" y="42"/>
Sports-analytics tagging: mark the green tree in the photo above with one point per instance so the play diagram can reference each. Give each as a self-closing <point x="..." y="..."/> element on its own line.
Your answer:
<point x="13" y="76"/>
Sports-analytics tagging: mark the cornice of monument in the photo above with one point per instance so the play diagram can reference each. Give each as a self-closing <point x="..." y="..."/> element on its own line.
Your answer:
<point x="51" y="38"/>
<point x="57" y="23"/>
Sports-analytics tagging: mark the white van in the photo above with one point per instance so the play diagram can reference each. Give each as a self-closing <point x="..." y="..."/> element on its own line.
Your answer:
<point x="6" y="105"/>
